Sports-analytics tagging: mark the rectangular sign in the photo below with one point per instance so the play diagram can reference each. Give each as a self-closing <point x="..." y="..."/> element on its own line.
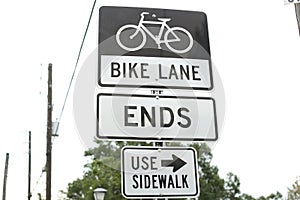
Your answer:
<point x="144" y="117"/>
<point x="159" y="172"/>
<point x="136" y="71"/>
<point x="291" y="1"/>
<point x="157" y="48"/>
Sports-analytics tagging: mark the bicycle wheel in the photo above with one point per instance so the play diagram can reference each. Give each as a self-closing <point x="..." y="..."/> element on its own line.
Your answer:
<point x="130" y="38"/>
<point x="185" y="42"/>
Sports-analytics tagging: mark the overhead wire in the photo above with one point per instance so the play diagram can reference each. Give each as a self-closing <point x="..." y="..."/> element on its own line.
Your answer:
<point x="70" y="83"/>
<point x="37" y="183"/>
<point x="76" y="65"/>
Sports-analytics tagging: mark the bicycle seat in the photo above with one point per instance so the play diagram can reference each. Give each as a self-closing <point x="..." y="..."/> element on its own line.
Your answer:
<point x="164" y="19"/>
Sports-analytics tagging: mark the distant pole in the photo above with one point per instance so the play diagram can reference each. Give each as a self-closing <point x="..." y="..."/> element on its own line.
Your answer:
<point x="29" y="166"/>
<point x="49" y="135"/>
<point x="5" y="177"/>
<point x="297" y="9"/>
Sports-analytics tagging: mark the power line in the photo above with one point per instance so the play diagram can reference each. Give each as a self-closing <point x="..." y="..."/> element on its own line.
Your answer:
<point x="37" y="183"/>
<point x="52" y="133"/>
<point x="72" y="77"/>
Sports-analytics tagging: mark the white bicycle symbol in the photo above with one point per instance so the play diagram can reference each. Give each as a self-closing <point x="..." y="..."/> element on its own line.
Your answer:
<point x="132" y="37"/>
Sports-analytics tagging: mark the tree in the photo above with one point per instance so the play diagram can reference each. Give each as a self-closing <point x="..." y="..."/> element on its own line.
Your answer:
<point x="232" y="186"/>
<point x="103" y="171"/>
<point x="212" y="186"/>
<point x="98" y="174"/>
<point x="294" y="192"/>
<point x="39" y="196"/>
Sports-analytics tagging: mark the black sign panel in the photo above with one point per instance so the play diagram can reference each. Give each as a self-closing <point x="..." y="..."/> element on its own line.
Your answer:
<point x="155" y="33"/>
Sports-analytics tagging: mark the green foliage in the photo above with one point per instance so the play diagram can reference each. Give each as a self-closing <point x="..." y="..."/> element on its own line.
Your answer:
<point x="104" y="171"/>
<point x="39" y="196"/>
<point x="212" y="186"/>
<point x="276" y="196"/>
<point x="232" y="187"/>
<point x="294" y="192"/>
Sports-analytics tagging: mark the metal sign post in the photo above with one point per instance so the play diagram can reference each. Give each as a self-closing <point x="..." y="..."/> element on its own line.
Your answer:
<point x="297" y="9"/>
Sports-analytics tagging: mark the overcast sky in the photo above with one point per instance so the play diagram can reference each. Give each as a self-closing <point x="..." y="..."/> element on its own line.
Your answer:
<point x="255" y="46"/>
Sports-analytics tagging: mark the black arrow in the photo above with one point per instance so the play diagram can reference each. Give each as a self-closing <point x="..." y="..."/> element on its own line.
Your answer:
<point x="176" y="163"/>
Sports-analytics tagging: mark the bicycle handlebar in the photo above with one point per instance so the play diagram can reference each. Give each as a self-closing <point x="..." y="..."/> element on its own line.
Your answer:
<point x="144" y="13"/>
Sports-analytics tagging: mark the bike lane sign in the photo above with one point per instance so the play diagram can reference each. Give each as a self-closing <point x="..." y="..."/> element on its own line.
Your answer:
<point x="153" y="48"/>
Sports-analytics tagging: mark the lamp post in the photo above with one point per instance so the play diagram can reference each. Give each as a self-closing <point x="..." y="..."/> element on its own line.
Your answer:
<point x="99" y="193"/>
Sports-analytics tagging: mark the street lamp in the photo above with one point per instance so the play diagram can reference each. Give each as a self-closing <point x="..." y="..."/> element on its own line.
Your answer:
<point x="99" y="193"/>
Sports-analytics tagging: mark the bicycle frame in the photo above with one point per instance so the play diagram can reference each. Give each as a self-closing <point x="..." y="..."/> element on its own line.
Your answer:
<point x="157" y="38"/>
<point x="165" y="34"/>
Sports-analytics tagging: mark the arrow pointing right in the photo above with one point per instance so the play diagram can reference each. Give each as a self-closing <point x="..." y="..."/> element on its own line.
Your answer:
<point x="176" y="163"/>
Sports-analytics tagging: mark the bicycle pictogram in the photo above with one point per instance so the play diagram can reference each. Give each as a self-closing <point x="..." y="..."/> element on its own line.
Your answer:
<point x="132" y="37"/>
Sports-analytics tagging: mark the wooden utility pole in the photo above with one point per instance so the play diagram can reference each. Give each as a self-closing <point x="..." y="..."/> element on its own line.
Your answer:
<point x="5" y="177"/>
<point x="49" y="135"/>
<point x="29" y="166"/>
<point x="297" y="9"/>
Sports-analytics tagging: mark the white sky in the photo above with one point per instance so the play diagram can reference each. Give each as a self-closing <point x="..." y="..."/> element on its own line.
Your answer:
<point x="254" y="44"/>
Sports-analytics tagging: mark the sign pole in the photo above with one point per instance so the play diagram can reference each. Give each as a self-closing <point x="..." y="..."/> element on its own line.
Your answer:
<point x="29" y="167"/>
<point x="159" y="144"/>
<point x="49" y="135"/>
<point x="297" y="9"/>
<point x="5" y="176"/>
